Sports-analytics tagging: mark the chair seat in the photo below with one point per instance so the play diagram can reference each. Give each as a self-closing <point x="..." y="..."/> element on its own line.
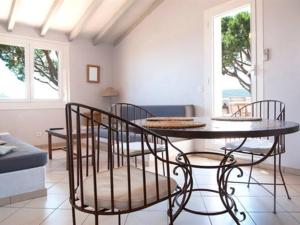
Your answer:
<point x="252" y="145"/>
<point x="120" y="180"/>
<point x="135" y="148"/>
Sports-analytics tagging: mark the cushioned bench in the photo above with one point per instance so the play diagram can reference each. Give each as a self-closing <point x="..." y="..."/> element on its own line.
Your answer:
<point x="24" y="157"/>
<point x="22" y="172"/>
<point x="128" y="113"/>
<point x="161" y="110"/>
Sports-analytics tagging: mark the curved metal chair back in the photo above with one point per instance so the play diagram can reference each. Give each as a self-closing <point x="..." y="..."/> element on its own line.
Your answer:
<point x="130" y="112"/>
<point x="95" y="189"/>
<point x="265" y="109"/>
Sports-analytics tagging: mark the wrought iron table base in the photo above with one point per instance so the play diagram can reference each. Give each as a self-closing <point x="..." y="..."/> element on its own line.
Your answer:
<point x="226" y="165"/>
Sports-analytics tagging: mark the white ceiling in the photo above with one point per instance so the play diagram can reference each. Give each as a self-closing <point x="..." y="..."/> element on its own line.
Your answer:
<point x="101" y="20"/>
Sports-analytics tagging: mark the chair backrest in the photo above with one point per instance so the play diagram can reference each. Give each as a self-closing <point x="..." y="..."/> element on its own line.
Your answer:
<point x="100" y="157"/>
<point x="130" y="112"/>
<point x="265" y="109"/>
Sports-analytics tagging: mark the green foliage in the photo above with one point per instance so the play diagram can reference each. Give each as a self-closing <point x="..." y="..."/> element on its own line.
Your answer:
<point x="236" y="50"/>
<point x="45" y="64"/>
<point x="46" y="67"/>
<point x="14" y="58"/>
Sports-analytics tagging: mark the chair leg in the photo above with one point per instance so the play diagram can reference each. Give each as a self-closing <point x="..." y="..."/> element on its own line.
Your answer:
<point x="250" y="174"/>
<point x="96" y="219"/>
<point x="98" y="157"/>
<point x="119" y="219"/>
<point x="135" y="161"/>
<point x="275" y="184"/>
<point x="163" y="164"/>
<point x="283" y="181"/>
<point x="170" y="212"/>
<point x="108" y="163"/>
<point x="73" y="216"/>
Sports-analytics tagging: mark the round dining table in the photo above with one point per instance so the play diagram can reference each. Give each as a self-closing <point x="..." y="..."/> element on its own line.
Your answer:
<point x="227" y="128"/>
<point x="218" y="128"/>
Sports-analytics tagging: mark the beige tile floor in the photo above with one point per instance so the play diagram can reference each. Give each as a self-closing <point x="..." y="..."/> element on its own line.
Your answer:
<point x="255" y="201"/>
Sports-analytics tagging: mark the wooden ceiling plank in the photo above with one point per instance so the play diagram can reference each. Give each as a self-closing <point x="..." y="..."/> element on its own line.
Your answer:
<point x="13" y="15"/>
<point x="52" y="12"/>
<point x="146" y="13"/>
<point x="84" y="18"/>
<point x="124" y="8"/>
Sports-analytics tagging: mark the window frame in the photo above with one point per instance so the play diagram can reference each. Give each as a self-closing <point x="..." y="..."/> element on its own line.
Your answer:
<point x="257" y="25"/>
<point x="30" y="44"/>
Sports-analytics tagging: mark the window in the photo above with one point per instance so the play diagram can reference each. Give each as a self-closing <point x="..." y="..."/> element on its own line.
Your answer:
<point x="233" y="56"/>
<point x="32" y="73"/>
<point x="45" y="77"/>
<point x="233" y="65"/>
<point x="12" y="72"/>
<point x="233" y="49"/>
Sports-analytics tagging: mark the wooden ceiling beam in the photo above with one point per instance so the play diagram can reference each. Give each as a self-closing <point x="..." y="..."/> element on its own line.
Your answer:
<point x="124" y="8"/>
<point x="140" y="19"/>
<point x="52" y="12"/>
<point x="82" y="21"/>
<point x="13" y="15"/>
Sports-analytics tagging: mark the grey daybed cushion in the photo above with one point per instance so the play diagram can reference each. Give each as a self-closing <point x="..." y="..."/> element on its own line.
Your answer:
<point x="25" y="156"/>
<point x="131" y="136"/>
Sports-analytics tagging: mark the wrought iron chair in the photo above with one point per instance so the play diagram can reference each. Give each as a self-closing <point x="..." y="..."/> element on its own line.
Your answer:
<point x="119" y="188"/>
<point x="135" y="114"/>
<point x="266" y="109"/>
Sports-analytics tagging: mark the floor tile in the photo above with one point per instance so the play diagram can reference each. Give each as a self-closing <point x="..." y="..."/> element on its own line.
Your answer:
<point x="64" y="217"/>
<point x="50" y="201"/>
<point x="280" y="191"/>
<point x="162" y="206"/>
<point x="226" y="219"/>
<point x="186" y="218"/>
<point x="27" y="217"/>
<point x="296" y="216"/>
<point x="6" y="212"/>
<point x="59" y="188"/>
<point x="289" y="205"/>
<point x="295" y="187"/>
<point x="49" y="185"/>
<point x="53" y="177"/>
<point x="259" y="204"/>
<point x="273" y="219"/>
<point x="55" y="208"/>
<point x="105" y="220"/>
<point x="292" y="179"/>
<point x="148" y="218"/>
<point x="252" y="190"/>
<point x="214" y="204"/>
<point x="197" y="204"/>
<point x="18" y="204"/>
<point x="65" y="205"/>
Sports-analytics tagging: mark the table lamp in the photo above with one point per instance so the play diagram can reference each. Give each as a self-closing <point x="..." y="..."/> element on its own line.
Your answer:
<point x="109" y="92"/>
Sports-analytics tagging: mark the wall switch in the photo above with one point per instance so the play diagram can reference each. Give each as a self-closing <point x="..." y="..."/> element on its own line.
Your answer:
<point x="266" y="54"/>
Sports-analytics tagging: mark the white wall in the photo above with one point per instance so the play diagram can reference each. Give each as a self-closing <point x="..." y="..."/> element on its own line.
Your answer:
<point x="282" y="72"/>
<point x="24" y="124"/>
<point x="161" y="61"/>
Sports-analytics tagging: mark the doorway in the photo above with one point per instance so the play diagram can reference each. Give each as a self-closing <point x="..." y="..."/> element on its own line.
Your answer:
<point x="233" y="58"/>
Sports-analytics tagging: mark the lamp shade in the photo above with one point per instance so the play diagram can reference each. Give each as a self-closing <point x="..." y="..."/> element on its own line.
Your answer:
<point x="109" y="92"/>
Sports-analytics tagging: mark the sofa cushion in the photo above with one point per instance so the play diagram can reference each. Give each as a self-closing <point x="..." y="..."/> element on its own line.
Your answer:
<point x="133" y="137"/>
<point x="129" y="112"/>
<point x="166" y="110"/>
<point x="25" y="156"/>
